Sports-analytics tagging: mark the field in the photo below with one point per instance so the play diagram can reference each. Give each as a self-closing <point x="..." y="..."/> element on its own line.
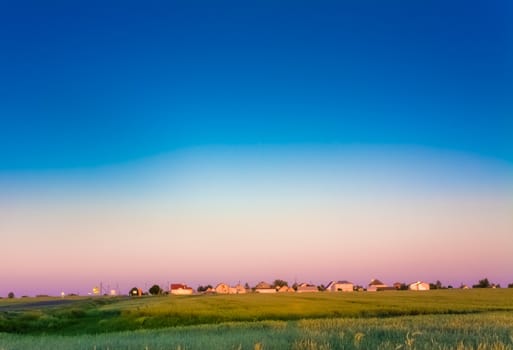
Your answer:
<point x="446" y="319"/>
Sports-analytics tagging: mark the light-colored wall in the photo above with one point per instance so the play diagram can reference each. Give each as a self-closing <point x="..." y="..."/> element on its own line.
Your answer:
<point x="419" y="286"/>
<point x="239" y="290"/>
<point x="375" y="288"/>
<point x="222" y="288"/>
<point x="182" y="291"/>
<point x="341" y="287"/>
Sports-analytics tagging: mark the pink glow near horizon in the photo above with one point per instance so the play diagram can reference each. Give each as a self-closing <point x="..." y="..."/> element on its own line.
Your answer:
<point x="215" y="231"/>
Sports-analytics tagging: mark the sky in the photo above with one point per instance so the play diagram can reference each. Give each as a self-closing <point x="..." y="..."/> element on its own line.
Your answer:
<point x="205" y="142"/>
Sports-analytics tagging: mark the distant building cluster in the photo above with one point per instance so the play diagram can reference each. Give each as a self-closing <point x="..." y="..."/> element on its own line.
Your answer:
<point x="278" y="286"/>
<point x="281" y="286"/>
<point x="375" y="285"/>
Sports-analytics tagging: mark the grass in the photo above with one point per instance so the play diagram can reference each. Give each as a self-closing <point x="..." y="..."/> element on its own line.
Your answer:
<point x="447" y="319"/>
<point x="470" y="331"/>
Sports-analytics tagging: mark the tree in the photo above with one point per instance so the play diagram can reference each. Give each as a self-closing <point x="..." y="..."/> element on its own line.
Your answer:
<point x="134" y="292"/>
<point x="280" y="283"/>
<point x="204" y="288"/>
<point x="510" y="285"/>
<point x="10" y="295"/>
<point x="436" y="285"/>
<point x="155" y="290"/>
<point x="484" y="283"/>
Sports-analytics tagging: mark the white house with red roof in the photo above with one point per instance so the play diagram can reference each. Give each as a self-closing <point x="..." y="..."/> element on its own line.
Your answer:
<point x="180" y="289"/>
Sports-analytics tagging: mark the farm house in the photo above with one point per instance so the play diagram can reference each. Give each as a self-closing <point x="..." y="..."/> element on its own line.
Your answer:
<point x="180" y="289"/>
<point x="222" y="288"/>
<point x="419" y="286"/>
<point x="264" y="287"/>
<point x="376" y="285"/>
<point x="285" y="289"/>
<point x="340" y="286"/>
<point x="238" y="289"/>
<point x="307" y="288"/>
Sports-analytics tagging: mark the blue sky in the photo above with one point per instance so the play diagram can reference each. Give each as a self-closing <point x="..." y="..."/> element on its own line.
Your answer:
<point x="304" y="126"/>
<point x="88" y="83"/>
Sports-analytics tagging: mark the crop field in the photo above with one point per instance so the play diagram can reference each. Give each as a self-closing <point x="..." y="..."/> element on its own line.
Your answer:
<point x="445" y="319"/>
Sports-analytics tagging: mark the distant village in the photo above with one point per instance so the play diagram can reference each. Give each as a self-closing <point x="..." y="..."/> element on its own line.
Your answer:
<point x="281" y="286"/>
<point x="278" y="286"/>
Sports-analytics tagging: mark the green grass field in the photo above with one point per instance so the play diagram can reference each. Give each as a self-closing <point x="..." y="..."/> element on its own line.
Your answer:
<point x="446" y="319"/>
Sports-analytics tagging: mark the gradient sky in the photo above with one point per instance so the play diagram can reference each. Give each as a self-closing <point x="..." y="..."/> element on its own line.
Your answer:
<point x="200" y="142"/>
